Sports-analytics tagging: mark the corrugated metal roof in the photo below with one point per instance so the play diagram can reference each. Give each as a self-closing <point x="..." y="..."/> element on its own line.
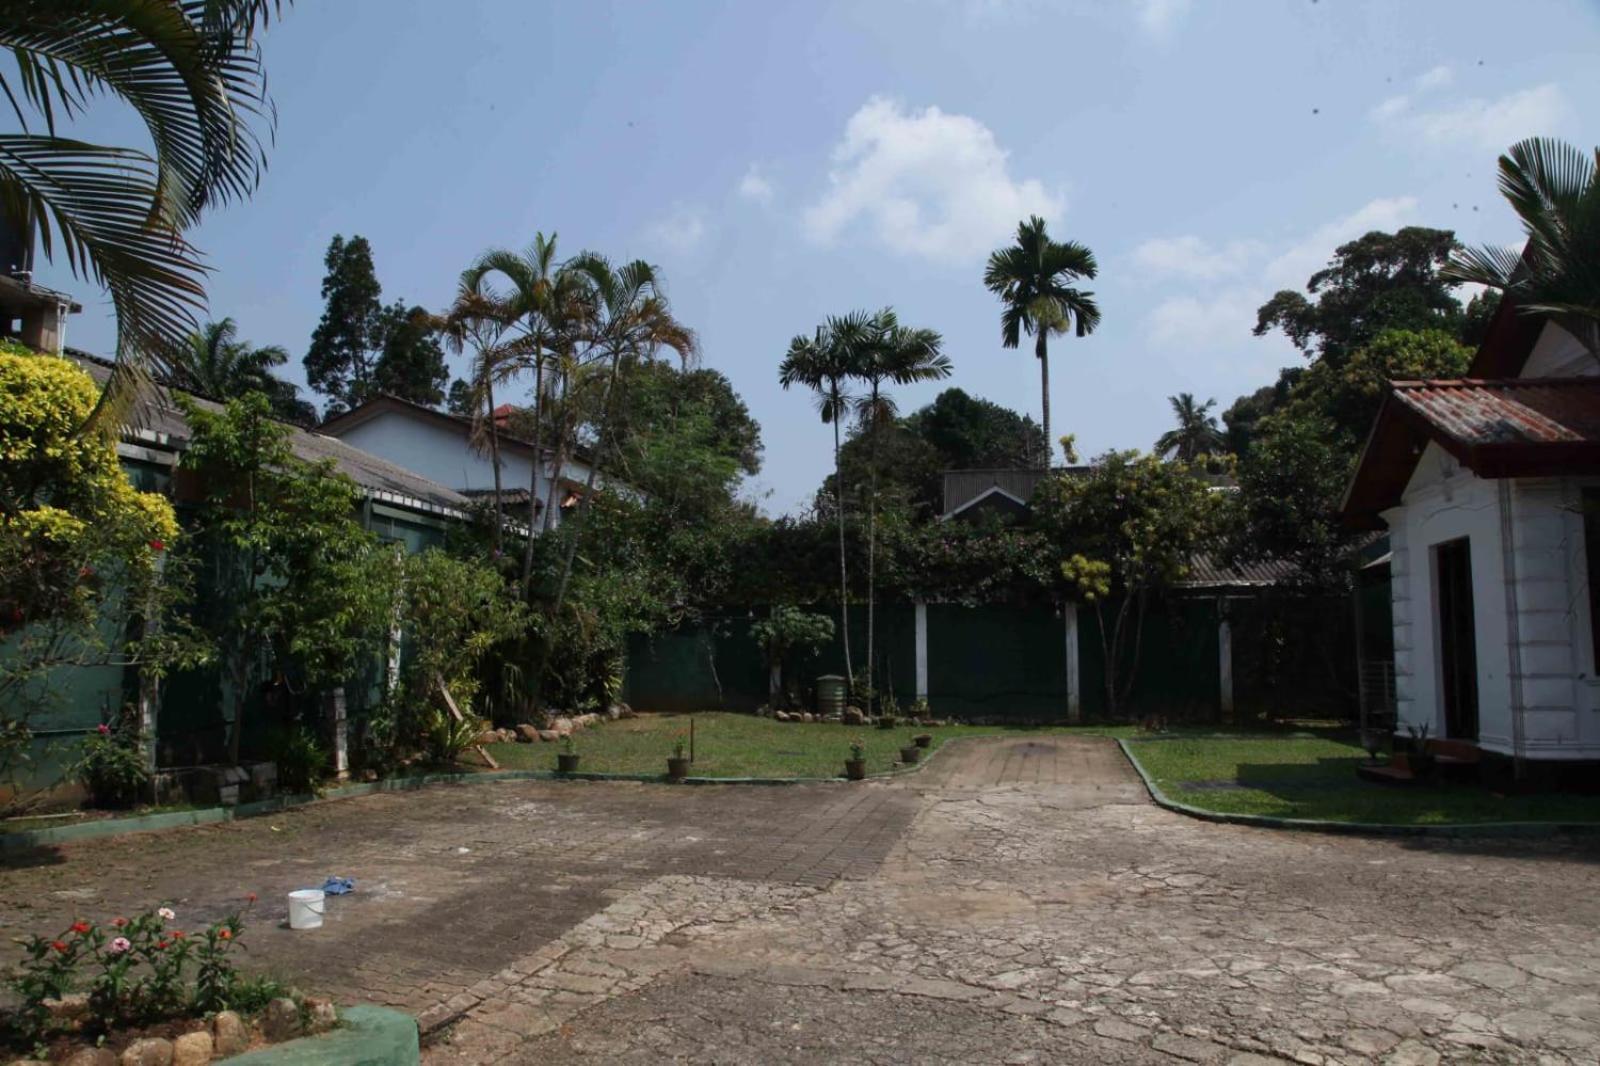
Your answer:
<point x="160" y="422"/>
<point x="1206" y="573"/>
<point x="1478" y="412"/>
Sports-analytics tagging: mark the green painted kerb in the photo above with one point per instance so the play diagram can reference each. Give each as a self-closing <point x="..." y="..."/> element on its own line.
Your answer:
<point x="1318" y="825"/>
<point x="367" y="1036"/>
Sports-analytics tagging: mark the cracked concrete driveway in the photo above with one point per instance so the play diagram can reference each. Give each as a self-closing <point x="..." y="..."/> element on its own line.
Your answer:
<point x="1018" y="901"/>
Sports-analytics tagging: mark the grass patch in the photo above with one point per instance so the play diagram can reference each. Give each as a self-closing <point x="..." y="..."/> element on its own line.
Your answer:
<point x="1316" y="778"/>
<point x="743" y="745"/>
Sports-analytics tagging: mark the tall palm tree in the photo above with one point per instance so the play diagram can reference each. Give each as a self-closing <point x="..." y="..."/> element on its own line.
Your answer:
<point x="1034" y="279"/>
<point x="1554" y="188"/>
<point x="192" y="72"/>
<point x="630" y="320"/>
<point x="825" y="363"/>
<point x="477" y="322"/>
<point x="1197" y="433"/>
<point x="889" y="353"/>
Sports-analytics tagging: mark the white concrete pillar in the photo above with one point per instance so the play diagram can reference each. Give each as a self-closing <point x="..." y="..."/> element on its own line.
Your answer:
<point x="339" y="728"/>
<point x="922" y="650"/>
<point x="1074" y="680"/>
<point x="1225" y="665"/>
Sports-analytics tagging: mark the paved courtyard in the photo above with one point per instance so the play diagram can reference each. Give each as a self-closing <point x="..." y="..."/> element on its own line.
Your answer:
<point x="1018" y="901"/>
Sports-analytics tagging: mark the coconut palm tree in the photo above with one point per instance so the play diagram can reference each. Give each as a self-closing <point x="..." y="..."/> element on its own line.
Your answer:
<point x="1554" y="188"/>
<point x="192" y="72"/>
<point x="629" y="320"/>
<point x="888" y="353"/>
<point x="1034" y="279"/>
<point x="1197" y="433"/>
<point x="825" y="363"/>
<point x="214" y="362"/>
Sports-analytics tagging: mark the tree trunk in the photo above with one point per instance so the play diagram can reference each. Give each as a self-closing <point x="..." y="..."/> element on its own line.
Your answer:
<point x="533" y="479"/>
<point x="872" y="543"/>
<point x="844" y="585"/>
<point x="1041" y="349"/>
<point x="564" y="431"/>
<point x="494" y="458"/>
<point x="601" y="443"/>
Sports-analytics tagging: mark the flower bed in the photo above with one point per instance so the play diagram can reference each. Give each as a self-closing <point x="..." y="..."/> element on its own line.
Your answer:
<point x="145" y="987"/>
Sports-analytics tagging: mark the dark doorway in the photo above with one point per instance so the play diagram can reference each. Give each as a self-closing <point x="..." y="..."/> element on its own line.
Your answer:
<point x="1458" y="648"/>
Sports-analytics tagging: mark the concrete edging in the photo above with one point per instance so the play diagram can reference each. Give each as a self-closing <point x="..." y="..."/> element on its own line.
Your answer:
<point x="147" y="823"/>
<point x="366" y="1036"/>
<point x="1318" y="825"/>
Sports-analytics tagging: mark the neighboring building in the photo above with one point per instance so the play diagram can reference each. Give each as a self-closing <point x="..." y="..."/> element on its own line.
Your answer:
<point x="1489" y="487"/>
<point x="439" y="446"/>
<point x="973" y="494"/>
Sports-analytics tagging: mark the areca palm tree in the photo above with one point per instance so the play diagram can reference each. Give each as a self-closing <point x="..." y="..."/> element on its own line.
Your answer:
<point x="1197" y="433"/>
<point x="191" y="70"/>
<point x="1034" y="279"/>
<point x="1554" y="188"/>
<point x="825" y="363"/>
<point x="477" y="322"/>
<point x="888" y="353"/>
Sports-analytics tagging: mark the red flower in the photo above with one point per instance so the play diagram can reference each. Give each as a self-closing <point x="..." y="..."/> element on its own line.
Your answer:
<point x="118" y="922"/>
<point x="250" y="897"/>
<point x="179" y="934"/>
<point x="158" y="545"/>
<point x="226" y="934"/>
<point x="59" y="946"/>
<point x="80" y="927"/>
<point x="103" y="730"/>
<point x="161" y="945"/>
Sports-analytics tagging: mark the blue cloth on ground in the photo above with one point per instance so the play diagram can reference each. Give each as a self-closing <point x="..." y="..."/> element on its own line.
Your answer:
<point x="338" y="886"/>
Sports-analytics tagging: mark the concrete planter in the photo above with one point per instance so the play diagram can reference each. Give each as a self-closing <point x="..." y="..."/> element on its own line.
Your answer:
<point x="910" y="754"/>
<point x="855" y="769"/>
<point x="567" y="762"/>
<point x="367" y="1036"/>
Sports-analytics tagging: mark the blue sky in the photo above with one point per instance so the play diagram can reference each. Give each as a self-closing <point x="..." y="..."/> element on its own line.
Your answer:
<point x="784" y="161"/>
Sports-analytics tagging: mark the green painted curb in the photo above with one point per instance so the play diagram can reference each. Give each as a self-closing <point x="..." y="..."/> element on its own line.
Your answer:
<point x="1318" y="825"/>
<point x="146" y="823"/>
<point x="367" y="1036"/>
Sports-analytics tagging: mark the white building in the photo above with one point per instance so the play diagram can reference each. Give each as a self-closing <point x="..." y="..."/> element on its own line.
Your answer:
<point x="439" y="447"/>
<point x="1490" y="489"/>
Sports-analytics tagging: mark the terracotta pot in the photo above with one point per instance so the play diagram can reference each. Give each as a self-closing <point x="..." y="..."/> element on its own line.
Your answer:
<point x="567" y="762"/>
<point x="678" y="768"/>
<point x="855" y="769"/>
<point x="910" y="753"/>
<point x="924" y="740"/>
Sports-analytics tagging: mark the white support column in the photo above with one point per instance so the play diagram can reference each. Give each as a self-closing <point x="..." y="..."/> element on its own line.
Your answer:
<point x="922" y="650"/>
<point x="1225" y="664"/>
<point x="1074" y="680"/>
<point x="341" y="734"/>
<point x="149" y="684"/>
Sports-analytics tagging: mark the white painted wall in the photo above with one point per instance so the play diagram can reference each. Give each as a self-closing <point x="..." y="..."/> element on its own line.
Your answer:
<point x="1557" y="354"/>
<point x="442" y="453"/>
<point x="1561" y="701"/>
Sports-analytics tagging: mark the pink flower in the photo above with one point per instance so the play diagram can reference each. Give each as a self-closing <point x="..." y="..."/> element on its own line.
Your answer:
<point x="167" y="914"/>
<point x="119" y="945"/>
<point x="102" y="729"/>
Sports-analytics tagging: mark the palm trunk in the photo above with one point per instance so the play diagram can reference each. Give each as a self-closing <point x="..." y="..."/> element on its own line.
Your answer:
<point x="533" y="479"/>
<point x="494" y="459"/>
<point x="1041" y="349"/>
<point x="601" y="443"/>
<point x="872" y="543"/>
<point x="564" y="429"/>
<point x="844" y="584"/>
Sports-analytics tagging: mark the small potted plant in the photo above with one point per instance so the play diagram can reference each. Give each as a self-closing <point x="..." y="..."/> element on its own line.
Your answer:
<point x="1421" y="757"/>
<point x="567" y="758"/>
<point x="677" y="762"/>
<point x="923" y="740"/>
<point x="855" y="767"/>
<point x="910" y="754"/>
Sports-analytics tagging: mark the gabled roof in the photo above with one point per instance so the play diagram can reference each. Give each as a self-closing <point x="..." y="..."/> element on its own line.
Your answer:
<point x="387" y="403"/>
<point x="1525" y="427"/>
<point x="161" y="425"/>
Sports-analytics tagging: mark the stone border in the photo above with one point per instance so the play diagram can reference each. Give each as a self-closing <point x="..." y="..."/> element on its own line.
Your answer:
<point x="25" y="839"/>
<point x="366" y="1036"/>
<point x="1319" y="825"/>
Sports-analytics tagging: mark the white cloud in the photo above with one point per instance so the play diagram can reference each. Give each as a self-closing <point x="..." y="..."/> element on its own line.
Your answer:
<point x="1437" y="78"/>
<point x="1484" y="125"/>
<point x="925" y="183"/>
<point x="755" y="186"/>
<point x="681" y="231"/>
<point x="1194" y="257"/>
<point x="1222" y="315"/>
<point x="1160" y="17"/>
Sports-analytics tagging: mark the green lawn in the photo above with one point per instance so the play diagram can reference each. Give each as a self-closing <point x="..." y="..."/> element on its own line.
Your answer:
<point x="1316" y="778"/>
<point x="742" y="745"/>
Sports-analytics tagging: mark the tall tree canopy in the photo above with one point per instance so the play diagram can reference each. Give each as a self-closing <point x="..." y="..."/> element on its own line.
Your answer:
<point x="192" y="73"/>
<point x="1376" y="282"/>
<point x="411" y="364"/>
<point x="1197" y="432"/>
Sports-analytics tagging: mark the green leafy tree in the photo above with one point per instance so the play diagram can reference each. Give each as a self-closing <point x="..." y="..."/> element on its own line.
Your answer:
<point x="193" y="75"/>
<point x="1197" y="432"/>
<point x="411" y="362"/>
<point x="216" y="363"/>
<point x="970" y="433"/>
<point x="81" y="551"/>
<point x="1374" y="283"/>
<point x="1554" y="188"/>
<point x="303" y="585"/>
<point x="1035" y="279"/>
<point x="341" y="363"/>
<point x="786" y="631"/>
<point x="1123" y="532"/>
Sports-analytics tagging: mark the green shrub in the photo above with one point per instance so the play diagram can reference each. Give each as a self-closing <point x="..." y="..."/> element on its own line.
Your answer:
<point x="301" y="759"/>
<point x="112" y="766"/>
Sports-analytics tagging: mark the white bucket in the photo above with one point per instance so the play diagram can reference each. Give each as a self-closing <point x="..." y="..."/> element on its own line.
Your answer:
<point x="305" y="908"/>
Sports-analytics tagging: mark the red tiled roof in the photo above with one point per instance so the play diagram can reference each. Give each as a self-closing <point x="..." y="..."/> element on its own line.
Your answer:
<point x="1477" y="413"/>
